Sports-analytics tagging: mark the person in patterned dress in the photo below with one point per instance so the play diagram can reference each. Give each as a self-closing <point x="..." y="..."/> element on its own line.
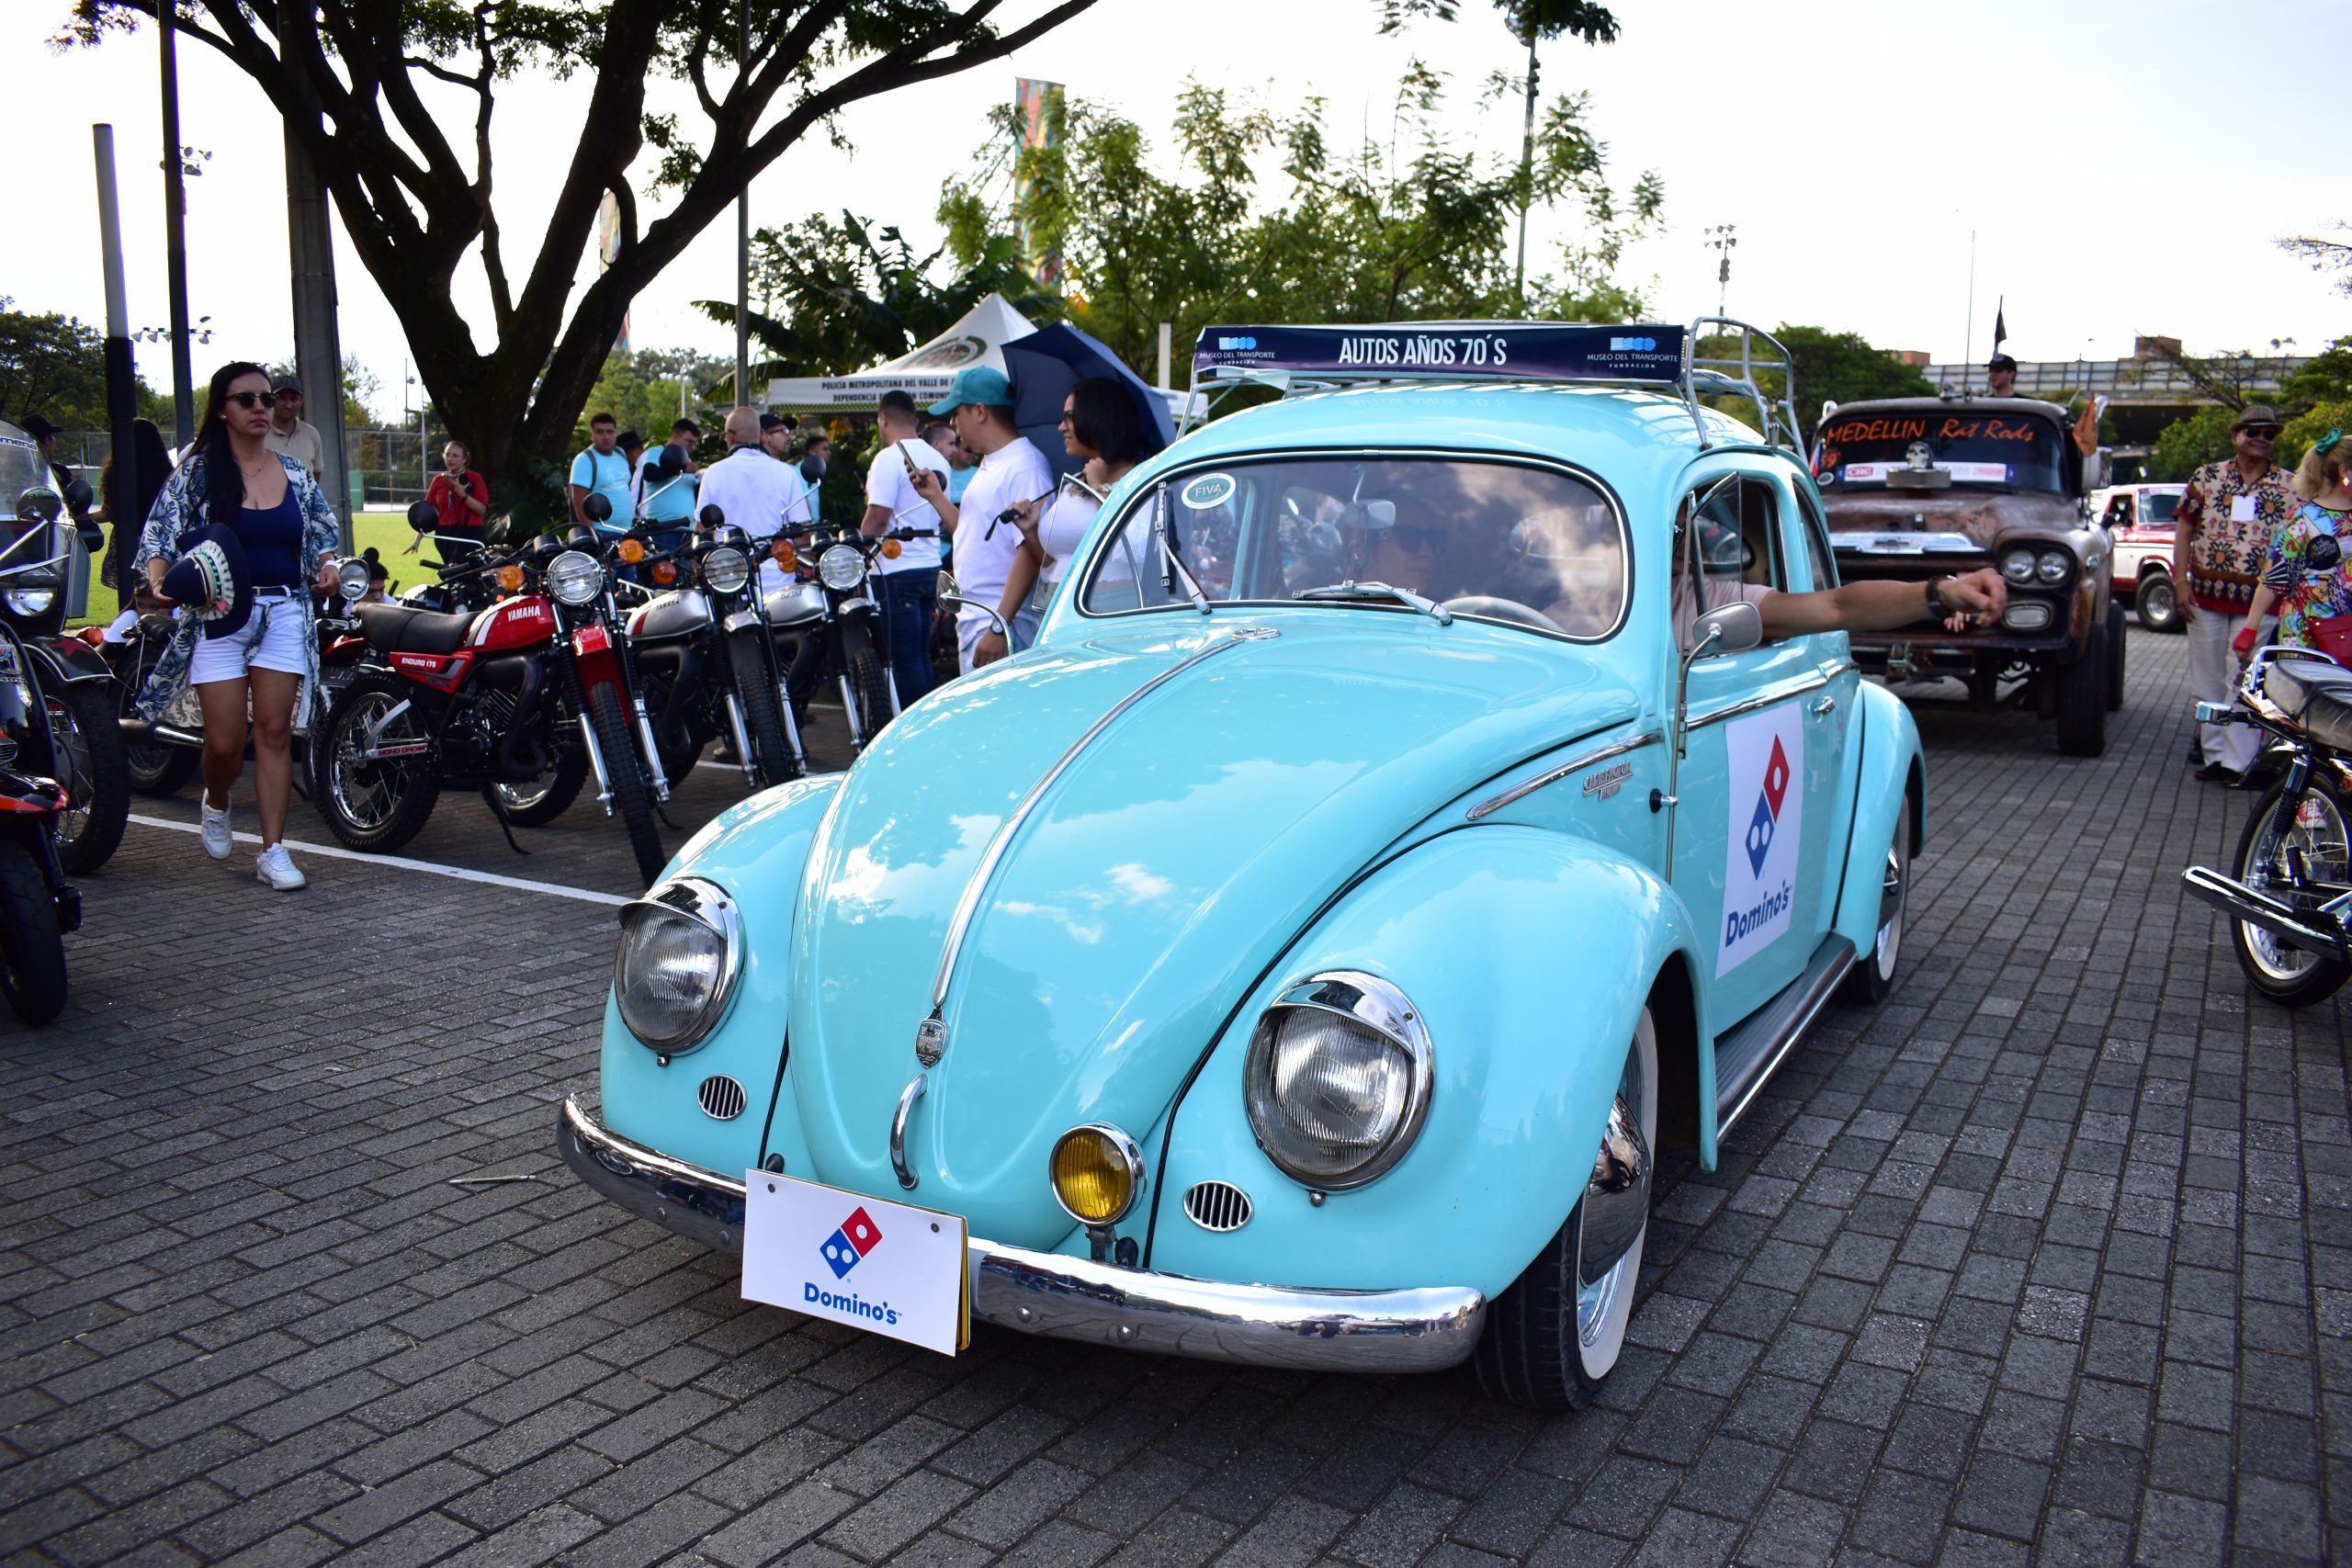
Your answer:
<point x="2222" y="539"/>
<point x="2306" y="585"/>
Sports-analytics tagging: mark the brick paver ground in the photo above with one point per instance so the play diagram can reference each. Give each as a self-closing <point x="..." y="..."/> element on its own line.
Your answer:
<point x="2044" y="1258"/>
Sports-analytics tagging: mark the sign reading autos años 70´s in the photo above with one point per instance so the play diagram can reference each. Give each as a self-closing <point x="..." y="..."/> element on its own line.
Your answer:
<point x="1543" y="350"/>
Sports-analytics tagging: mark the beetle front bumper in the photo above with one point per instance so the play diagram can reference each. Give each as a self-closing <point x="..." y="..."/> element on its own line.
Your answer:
<point x="1412" y="1330"/>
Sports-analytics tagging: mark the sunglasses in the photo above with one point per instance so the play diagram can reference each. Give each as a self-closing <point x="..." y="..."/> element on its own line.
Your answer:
<point x="1413" y="537"/>
<point x="247" y="400"/>
<point x="2261" y="431"/>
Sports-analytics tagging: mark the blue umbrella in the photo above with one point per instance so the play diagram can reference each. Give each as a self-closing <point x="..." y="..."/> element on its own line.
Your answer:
<point x="1048" y="363"/>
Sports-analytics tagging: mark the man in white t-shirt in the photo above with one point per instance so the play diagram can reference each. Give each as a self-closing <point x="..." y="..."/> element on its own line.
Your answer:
<point x="749" y="488"/>
<point x="910" y="583"/>
<point x="994" y="567"/>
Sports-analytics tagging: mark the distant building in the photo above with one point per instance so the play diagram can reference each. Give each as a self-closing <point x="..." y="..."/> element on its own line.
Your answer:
<point x="1913" y="357"/>
<point x="2156" y="348"/>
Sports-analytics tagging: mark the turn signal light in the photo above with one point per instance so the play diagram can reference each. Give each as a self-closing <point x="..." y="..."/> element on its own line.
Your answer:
<point x="890" y="549"/>
<point x="632" y="551"/>
<point x="510" y="580"/>
<point x="1097" y="1172"/>
<point x="785" y="556"/>
<point x="665" y="572"/>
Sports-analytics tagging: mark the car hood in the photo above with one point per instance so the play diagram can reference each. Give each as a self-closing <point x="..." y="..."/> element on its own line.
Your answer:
<point x="1181" y="846"/>
<point x="1983" y="517"/>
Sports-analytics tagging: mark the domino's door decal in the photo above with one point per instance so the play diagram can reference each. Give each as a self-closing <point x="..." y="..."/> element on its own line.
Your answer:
<point x="1766" y="752"/>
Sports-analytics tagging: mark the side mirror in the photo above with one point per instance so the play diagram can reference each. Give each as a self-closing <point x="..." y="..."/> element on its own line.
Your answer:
<point x="950" y="596"/>
<point x="1737" y="628"/>
<point x="597" y="509"/>
<point x="423" y="517"/>
<point x="712" y="516"/>
<point x="78" y="497"/>
<point x="672" y="461"/>
<point x="351" y="578"/>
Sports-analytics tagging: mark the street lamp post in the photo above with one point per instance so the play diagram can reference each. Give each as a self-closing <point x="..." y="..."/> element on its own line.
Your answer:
<point x="1723" y="239"/>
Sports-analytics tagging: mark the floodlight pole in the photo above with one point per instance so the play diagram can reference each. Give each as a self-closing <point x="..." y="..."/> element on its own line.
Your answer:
<point x="1526" y="174"/>
<point x="743" y="240"/>
<point x="175" y="234"/>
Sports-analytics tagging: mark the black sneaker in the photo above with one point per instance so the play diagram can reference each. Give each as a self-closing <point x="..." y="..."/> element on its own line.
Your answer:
<point x="2216" y="773"/>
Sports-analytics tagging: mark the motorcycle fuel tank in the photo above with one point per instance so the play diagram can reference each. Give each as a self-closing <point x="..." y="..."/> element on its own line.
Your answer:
<point x="672" y="615"/>
<point x="792" y="606"/>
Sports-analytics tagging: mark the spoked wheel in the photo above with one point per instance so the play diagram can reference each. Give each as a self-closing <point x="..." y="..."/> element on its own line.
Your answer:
<point x="1553" y="1336"/>
<point x="32" y="953"/>
<point x="632" y="795"/>
<point x="1873" y="975"/>
<point x="2313" y="839"/>
<point x="869" y="681"/>
<point x="538" y="801"/>
<point x="155" y="767"/>
<point x="774" y="755"/>
<point x="93" y="765"/>
<point x="373" y="803"/>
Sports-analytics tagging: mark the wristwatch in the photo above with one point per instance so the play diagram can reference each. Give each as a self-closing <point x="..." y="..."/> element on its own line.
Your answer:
<point x="1937" y="608"/>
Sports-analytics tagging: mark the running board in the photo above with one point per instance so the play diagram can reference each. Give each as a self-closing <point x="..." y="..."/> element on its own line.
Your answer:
<point x="1751" y="1051"/>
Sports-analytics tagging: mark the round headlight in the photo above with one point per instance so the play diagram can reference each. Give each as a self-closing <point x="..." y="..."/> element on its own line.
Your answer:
<point x="2053" y="566"/>
<point x="2018" y="566"/>
<point x="680" y="946"/>
<point x="31" y="601"/>
<point x="575" y="577"/>
<point x="1097" y="1174"/>
<point x="840" y="568"/>
<point x="1337" y="1082"/>
<point x="725" y="569"/>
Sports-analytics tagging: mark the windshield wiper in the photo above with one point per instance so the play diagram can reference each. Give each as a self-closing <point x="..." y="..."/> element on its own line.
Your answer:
<point x="1359" y="592"/>
<point x="1172" y="565"/>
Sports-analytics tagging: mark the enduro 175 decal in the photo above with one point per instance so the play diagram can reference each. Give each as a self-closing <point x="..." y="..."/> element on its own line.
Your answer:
<point x="1766" y="753"/>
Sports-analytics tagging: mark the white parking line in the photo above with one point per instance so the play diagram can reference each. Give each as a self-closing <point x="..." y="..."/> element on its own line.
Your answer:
<point x="401" y="863"/>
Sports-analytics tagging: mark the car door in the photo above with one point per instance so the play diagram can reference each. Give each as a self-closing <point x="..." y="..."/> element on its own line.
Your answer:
<point x="1833" y="750"/>
<point x="1756" y="791"/>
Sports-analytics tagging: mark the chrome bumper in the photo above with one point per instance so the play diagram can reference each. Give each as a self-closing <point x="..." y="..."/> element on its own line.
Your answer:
<point x="1415" y="1330"/>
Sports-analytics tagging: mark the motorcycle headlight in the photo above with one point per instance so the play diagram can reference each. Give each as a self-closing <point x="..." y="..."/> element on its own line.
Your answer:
<point x="351" y="579"/>
<point x="840" y="568"/>
<point x="2053" y="567"/>
<point x="726" y="570"/>
<point x="30" y="601"/>
<point x="680" y="946"/>
<point x="1337" y="1082"/>
<point x="2018" y="566"/>
<point x="575" y="577"/>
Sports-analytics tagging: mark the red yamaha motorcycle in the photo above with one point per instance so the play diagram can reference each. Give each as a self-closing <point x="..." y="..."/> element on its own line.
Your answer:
<point x="523" y="700"/>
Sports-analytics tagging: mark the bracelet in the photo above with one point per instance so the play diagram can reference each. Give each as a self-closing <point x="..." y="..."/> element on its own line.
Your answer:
<point x="1937" y="609"/>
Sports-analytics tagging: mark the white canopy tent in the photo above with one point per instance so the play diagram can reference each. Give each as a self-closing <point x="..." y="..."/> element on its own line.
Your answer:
<point x="924" y="375"/>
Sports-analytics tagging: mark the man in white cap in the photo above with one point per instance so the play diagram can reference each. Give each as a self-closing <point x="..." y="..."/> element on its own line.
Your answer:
<point x="994" y="567"/>
<point x="289" y="432"/>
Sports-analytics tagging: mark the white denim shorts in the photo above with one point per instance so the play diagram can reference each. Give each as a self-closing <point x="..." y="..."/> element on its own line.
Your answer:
<point x="271" y="638"/>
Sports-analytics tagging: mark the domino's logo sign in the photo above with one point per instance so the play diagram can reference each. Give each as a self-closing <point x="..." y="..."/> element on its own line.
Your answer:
<point x="1764" y="831"/>
<point x="1633" y="346"/>
<point x="850" y="1242"/>
<point x="1229" y="344"/>
<point x="1769" y="801"/>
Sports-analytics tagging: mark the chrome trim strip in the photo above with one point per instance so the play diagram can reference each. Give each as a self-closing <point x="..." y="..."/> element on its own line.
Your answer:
<point x="968" y="905"/>
<point x="1494" y="803"/>
<point x="1795" y="686"/>
<point x="1416" y="1329"/>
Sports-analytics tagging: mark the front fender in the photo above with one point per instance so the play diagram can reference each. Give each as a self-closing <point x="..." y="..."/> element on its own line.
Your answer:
<point x="1528" y="955"/>
<point x="1893" y="766"/>
<point x="67" y="659"/>
<point x="755" y="851"/>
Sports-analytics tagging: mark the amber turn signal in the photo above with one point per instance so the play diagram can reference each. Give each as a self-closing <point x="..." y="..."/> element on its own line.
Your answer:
<point x="1097" y="1173"/>
<point x="632" y="551"/>
<point x="665" y="572"/>
<point x="510" y="580"/>
<point x="890" y="549"/>
<point x="785" y="556"/>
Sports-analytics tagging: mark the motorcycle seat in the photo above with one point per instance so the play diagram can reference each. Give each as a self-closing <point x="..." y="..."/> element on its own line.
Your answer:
<point x="2317" y="696"/>
<point x="399" y="628"/>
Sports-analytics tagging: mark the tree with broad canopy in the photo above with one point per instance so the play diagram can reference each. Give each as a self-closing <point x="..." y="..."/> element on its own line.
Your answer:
<point x="355" y="81"/>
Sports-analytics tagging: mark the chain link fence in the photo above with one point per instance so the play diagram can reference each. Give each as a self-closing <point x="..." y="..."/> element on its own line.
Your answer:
<point x="390" y="468"/>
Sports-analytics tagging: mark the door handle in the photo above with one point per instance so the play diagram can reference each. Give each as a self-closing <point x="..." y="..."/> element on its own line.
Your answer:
<point x="1824" y="705"/>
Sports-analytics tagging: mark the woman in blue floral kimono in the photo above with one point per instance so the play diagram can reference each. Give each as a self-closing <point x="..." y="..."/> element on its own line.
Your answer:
<point x="266" y="664"/>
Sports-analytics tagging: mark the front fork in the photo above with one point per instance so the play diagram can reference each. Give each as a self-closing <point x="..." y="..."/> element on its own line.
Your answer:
<point x="600" y="658"/>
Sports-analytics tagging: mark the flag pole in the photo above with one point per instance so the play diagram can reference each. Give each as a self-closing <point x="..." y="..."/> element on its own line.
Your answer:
<point x="1968" y="344"/>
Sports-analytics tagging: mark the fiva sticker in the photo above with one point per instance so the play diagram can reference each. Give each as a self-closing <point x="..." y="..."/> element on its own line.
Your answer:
<point x="1208" y="490"/>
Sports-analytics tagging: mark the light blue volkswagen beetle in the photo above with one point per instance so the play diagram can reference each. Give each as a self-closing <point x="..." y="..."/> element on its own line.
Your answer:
<point x="1399" y="833"/>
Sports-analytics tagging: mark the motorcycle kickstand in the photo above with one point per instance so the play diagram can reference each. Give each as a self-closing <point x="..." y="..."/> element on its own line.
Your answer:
<point x="499" y="811"/>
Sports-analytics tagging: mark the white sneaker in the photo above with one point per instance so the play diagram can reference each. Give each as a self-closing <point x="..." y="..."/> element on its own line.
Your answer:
<point x="217" y="839"/>
<point x="275" y="867"/>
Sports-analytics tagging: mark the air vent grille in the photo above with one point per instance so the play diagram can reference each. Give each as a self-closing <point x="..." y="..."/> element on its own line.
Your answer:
<point x="722" y="1098"/>
<point x="1217" y="1206"/>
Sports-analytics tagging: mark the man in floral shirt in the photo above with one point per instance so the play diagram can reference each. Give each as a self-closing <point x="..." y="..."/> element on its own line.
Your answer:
<point x="2221" y="537"/>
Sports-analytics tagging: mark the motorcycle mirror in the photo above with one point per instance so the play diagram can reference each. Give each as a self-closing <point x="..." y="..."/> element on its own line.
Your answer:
<point x="712" y="516"/>
<point x="77" y="496"/>
<point x="351" y="578"/>
<point x="423" y="517"/>
<point x="597" y="509"/>
<point x="671" y="461"/>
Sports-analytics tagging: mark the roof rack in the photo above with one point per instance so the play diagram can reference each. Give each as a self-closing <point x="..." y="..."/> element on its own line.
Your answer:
<point x="1322" y="358"/>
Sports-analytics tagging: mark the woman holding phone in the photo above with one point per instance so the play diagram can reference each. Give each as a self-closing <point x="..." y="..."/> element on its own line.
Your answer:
<point x="1099" y="428"/>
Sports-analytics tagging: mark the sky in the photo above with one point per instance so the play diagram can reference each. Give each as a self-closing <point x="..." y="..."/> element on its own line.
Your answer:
<point x="2113" y="182"/>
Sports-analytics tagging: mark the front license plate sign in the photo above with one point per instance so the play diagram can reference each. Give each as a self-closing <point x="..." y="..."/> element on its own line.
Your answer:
<point x="885" y="1268"/>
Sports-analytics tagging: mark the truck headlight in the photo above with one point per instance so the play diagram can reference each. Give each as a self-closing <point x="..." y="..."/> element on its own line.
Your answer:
<point x="2018" y="565"/>
<point x="680" y="947"/>
<point x="1337" y="1081"/>
<point x="2053" y="567"/>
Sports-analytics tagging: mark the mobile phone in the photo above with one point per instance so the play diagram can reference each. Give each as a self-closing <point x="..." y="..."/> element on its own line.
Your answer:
<point x="908" y="458"/>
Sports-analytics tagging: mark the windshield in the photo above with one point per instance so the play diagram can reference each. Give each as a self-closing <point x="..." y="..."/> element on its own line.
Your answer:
<point x="20" y="467"/>
<point x="2155" y="506"/>
<point x="1488" y="538"/>
<point x="2013" y="451"/>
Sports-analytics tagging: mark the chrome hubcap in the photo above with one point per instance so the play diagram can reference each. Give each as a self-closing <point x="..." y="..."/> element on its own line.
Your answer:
<point x="1890" y="909"/>
<point x="1617" y="1200"/>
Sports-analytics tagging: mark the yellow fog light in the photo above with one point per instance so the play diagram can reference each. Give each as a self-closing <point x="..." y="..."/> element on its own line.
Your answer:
<point x="1098" y="1174"/>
